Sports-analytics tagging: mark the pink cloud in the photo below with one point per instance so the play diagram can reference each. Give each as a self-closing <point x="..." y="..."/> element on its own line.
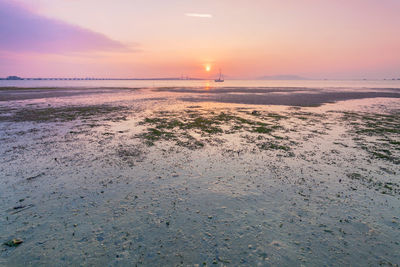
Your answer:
<point x="21" y="30"/>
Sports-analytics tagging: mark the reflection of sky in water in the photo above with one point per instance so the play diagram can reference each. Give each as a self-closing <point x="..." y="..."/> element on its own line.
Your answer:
<point x="209" y="83"/>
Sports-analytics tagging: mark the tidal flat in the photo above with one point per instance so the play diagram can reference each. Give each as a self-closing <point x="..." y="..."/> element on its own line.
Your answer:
<point x="199" y="177"/>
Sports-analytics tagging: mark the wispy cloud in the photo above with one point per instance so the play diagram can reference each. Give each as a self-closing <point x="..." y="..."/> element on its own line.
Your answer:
<point x="24" y="31"/>
<point x="197" y="15"/>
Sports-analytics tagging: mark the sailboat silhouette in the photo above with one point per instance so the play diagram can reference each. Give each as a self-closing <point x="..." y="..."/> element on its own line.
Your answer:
<point x="221" y="78"/>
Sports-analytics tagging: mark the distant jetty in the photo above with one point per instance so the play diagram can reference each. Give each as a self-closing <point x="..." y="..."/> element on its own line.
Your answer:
<point x="16" y="78"/>
<point x="12" y="78"/>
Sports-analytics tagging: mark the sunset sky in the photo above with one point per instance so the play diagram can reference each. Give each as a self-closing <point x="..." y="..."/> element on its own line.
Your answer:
<point x="159" y="38"/>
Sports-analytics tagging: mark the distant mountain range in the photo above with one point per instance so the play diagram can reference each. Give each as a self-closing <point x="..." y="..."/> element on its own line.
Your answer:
<point x="282" y="77"/>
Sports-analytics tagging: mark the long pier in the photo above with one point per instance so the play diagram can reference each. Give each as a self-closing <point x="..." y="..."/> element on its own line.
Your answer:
<point x="97" y="79"/>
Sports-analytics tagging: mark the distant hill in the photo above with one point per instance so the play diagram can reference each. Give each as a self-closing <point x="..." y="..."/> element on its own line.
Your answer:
<point x="282" y="77"/>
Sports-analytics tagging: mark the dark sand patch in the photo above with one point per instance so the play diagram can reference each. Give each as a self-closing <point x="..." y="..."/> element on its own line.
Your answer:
<point x="292" y="99"/>
<point x="17" y="93"/>
<point x="235" y="90"/>
<point x="63" y="114"/>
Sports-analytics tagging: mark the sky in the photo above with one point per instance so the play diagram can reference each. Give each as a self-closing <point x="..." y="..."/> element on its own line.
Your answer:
<point x="340" y="39"/>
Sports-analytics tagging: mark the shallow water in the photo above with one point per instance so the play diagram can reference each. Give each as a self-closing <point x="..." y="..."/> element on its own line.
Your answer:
<point x="88" y="190"/>
<point x="206" y="84"/>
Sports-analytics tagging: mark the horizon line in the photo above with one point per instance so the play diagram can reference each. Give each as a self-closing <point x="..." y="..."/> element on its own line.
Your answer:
<point x="16" y="78"/>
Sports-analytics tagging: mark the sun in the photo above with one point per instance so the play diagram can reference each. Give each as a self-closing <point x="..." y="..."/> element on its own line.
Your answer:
<point x="208" y="68"/>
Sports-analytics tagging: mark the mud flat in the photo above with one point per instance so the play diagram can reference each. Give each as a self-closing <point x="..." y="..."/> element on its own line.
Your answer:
<point x="179" y="177"/>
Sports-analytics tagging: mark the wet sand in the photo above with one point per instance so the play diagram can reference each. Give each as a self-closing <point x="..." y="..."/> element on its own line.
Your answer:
<point x="163" y="177"/>
<point x="296" y="96"/>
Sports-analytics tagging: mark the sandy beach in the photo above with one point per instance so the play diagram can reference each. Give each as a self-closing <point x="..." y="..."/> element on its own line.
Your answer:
<point x="200" y="177"/>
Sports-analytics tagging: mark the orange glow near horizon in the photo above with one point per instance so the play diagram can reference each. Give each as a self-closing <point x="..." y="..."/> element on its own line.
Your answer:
<point x="309" y="38"/>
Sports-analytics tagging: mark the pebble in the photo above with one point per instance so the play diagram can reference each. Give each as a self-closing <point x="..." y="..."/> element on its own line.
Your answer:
<point x="15" y="242"/>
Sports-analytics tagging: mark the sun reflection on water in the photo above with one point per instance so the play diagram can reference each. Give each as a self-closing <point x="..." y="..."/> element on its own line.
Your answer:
<point x="207" y="86"/>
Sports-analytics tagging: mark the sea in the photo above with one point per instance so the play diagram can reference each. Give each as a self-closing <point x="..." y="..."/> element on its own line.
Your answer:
<point x="208" y="84"/>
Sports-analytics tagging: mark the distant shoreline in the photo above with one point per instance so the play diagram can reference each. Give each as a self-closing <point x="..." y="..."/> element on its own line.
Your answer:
<point x="190" y="79"/>
<point x="100" y="79"/>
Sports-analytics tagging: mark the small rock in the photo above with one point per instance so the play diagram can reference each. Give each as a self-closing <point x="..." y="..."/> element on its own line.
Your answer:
<point x="14" y="242"/>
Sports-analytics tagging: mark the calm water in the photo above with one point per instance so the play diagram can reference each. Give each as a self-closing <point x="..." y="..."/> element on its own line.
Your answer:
<point x="209" y="84"/>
